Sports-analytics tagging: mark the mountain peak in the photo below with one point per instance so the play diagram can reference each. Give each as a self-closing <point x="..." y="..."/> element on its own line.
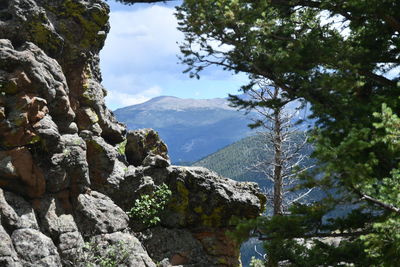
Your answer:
<point x="176" y="103"/>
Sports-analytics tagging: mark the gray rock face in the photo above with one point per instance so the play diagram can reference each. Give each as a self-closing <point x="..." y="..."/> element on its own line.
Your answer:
<point x="8" y="255"/>
<point x="98" y="214"/>
<point x="34" y="248"/>
<point x="65" y="179"/>
<point x="204" y="198"/>
<point x="41" y="73"/>
<point x="156" y="161"/>
<point x="68" y="165"/>
<point x="133" y="253"/>
<point x="106" y="169"/>
<point x="181" y="249"/>
<point x="16" y="213"/>
<point x="70" y="247"/>
<point x="141" y="143"/>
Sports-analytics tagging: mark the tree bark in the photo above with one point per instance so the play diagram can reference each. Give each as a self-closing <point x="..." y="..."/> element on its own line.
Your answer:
<point x="278" y="182"/>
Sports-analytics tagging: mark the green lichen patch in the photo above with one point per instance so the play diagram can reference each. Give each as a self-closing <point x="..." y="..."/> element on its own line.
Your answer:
<point x="180" y="201"/>
<point x="198" y="209"/>
<point x="43" y="35"/>
<point x="92" y="20"/>
<point x="214" y="219"/>
<point x="8" y="87"/>
<point x="34" y="140"/>
<point x="93" y="145"/>
<point x="183" y="197"/>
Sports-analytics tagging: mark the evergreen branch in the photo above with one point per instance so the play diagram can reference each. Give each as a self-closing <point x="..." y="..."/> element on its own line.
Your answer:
<point x="381" y="79"/>
<point x="387" y="206"/>
<point x="393" y="22"/>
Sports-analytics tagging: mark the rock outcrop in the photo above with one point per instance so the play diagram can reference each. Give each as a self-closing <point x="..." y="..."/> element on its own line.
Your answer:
<point x="69" y="171"/>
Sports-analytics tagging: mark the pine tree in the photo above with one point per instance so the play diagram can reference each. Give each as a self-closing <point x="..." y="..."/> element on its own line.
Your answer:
<point x="343" y="58"/>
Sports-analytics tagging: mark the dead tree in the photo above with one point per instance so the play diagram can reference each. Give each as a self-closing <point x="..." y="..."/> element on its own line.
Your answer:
<point x="283" y="141"/>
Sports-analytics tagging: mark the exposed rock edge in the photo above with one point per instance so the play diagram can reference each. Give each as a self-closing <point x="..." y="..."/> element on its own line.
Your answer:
<point x="69" y="171"/>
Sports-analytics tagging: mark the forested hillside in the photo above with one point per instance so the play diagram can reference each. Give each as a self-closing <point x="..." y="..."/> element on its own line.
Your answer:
<point x="235" y="161"/>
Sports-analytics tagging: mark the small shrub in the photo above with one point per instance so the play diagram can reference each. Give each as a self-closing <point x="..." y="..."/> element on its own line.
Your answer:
<point x="256" y="262"/>
<point x="121" y="147"/>
<point x="92" y="255"/>
<point x="148" y="207"/>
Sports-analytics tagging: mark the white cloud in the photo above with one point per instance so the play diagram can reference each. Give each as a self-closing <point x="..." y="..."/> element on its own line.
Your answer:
<point x="140" y="39"/>
<point x="124" y="99"/>
<point x="140" y="58"/>
<point x="139" y="53"/>
<point x="154" y="91"/>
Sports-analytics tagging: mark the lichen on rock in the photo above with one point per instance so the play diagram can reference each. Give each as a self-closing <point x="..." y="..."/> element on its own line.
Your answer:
<point x="64" y="179"/>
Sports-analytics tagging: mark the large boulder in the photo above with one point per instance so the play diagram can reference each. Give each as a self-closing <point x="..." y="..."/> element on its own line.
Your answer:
<point x="8" y="255"/>
<point x="142" y="143"/>
<point x="35" y="85"/>
<point x="128" y="248"/>
<point x="182" y="247"/>
<point x="16" y="212"/>
<point x="203" y="198"/>
<point x="106" y="166"/>
<point x="185" y="247"/>
<point x="58" y="224"/>
<point x="202" y="210"/>
<point x="19" y="172"/>
<point x="97" y="214"/>
<point x="34" y="248"/>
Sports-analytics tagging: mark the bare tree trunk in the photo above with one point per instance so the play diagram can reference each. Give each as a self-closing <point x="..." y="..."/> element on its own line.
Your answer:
<point x="278" y="179"/>
<point x="283" y="145"/>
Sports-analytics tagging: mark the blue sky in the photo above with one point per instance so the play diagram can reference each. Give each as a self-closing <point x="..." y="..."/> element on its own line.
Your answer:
<point x="139" y="60"/>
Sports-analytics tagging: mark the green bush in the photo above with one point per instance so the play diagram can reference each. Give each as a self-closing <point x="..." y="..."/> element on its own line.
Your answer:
<point x="256" y="262"/>
<point x="121" y="147"/>
<point x="148" y="207"/>
<point x="92" y="255"/>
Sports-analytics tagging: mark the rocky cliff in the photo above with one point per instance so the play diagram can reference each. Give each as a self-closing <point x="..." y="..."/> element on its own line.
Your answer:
<point x="69" y="171"/>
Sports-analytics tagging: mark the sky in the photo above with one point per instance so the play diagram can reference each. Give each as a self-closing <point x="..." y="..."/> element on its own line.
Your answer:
<point x="140" y="59"/>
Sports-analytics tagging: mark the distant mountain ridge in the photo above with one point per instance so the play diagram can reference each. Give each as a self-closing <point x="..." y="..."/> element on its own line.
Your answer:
<point x="176" y="103"/>
<point x="192" y="128"/>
